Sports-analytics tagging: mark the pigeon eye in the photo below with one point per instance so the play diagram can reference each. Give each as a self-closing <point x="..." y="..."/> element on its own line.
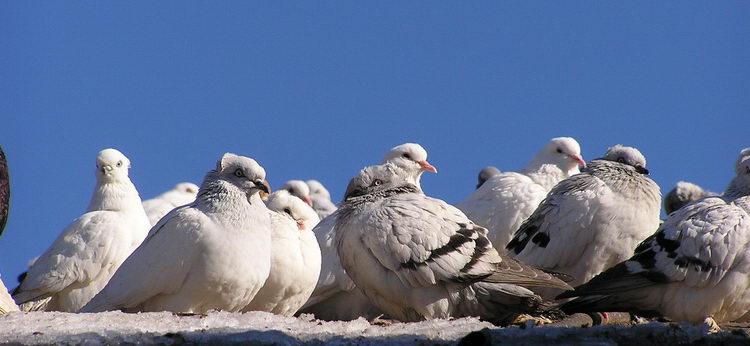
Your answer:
<point x="621" y="159"/>
<point x="559" y="151"/>
<point x="291" y="191"/>
<point x="377" y="182"/>
<point x="406" y="155"/>
<point x="119" y="163"/>
<point x="288" y="211"/>
<point x="239" y="173"/>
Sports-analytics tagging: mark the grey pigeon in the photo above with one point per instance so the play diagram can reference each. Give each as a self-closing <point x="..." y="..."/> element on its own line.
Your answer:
<point x="592" y="220"/>
<point x="211" y="254"/>
<point x="683" y="193"/>
<point x="695" y="268"/>
<point x="420" y="258"/>
<point x="486" y="173"/>
<point x="336" y="297"/>
<point x="88" y="252"/>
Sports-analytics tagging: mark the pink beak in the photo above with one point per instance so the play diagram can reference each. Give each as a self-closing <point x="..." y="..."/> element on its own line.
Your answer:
<point x="301" y="225"/>
<point x="579" y="160"/>
<point x="427" y="166"/>
<point x="307" y="200"/>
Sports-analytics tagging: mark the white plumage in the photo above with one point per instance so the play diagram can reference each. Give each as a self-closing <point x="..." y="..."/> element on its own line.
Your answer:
<point x="321" y="199"/>
<point x="211" y="254"/>
<point x="157" y="207"/>
<point x="695" y="267"/>
<point x="592" y="220"/>
<point x="84" y="257"/>
<point x="300" y="189"/>
<point x="336" y="297"/>
<point x="295" y="256"/>
<point x="6" y="302"/>
<point x="505" y="200"/>
<point x="420" y="258"/>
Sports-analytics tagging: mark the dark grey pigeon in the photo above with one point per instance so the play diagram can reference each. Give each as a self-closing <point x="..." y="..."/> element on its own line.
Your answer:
<point x="420" y="258"/>
<point x="486" y="173"/>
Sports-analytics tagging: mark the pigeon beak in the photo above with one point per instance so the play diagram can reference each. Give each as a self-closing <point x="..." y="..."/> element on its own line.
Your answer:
<point x="307" y="200"/>
<point x="580" y="161"/>
<point x="641" y="169"/>
<point x="261" y="185"/>
<point x="427" y="166"/>
<point x="300" y="225"/>
<point x="264" y="194"/>
<point x="106" y="169"/>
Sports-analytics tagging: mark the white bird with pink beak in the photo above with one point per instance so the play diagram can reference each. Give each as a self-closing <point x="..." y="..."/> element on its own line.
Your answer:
<point x="295" y="256"/>
<point x="300" y="189"/>
<point x="505" y="200"/>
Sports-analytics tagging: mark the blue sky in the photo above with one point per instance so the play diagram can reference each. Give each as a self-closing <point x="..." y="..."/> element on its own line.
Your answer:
<point x="322" y="89"/>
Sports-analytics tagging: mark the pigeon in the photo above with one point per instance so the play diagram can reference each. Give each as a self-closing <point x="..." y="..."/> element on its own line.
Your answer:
<point x="321" y="199"/>
<point x="682" y="194"/>
<point x="695" y="268"/>
<point x="592" y="220"/>
<point x="336" y="297"/>
<point x="211" y="254"/>
<point x="295" y="256"/>
<point x="300" y="189"/>
<point x="83" y="258"/>
<point x="4" y="190"/>
<point x="6" y="302"/>
<point x="157" y="207"/>
<point x="503" y="202"/>
<point x="486" y="173"/>
<point x="419" y="258"/>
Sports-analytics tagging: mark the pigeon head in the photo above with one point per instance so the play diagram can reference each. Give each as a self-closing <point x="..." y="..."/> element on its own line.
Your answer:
<point x="486" y="173"/>
<point x="294" y="208"/>
<point x="627" y="155"/>
<point x="410" y="157"/>
<point x="563" y="152"/>
<point x="188" y="188"/>
<point x="242" y="172"/>
<point x="740" y="185"/>
<point x="111" y="165"/>
<point x="375" y="179"/>
<point x="317" y="189"/>
<point x="741" y="160"/>
<point x="298" y="188"/>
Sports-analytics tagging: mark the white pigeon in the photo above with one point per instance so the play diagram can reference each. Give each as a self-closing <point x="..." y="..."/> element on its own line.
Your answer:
<point x="84" y="257"/>
<point x="485" y="174"/>
<point x="683" y="193"/>
<point x="6" y="302"/>
<point x="300" y="189"/>
<point x="321" y="199"/>
<point x="695" y="268"/>
<point x="157" y="207"/>
<point x="211" y="254"/>
<point x="505" y="200"/>
<point x="295" y="256"/>
<point x="420" y="258"/>
<point x="336" y="297"/>
<point x="592" y="220"/>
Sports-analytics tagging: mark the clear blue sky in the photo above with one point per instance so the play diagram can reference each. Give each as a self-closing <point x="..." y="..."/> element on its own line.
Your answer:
<point x="321" y="89"/>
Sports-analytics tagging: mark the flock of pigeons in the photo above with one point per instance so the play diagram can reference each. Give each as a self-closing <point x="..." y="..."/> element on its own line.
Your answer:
<point x="558" y="234"/>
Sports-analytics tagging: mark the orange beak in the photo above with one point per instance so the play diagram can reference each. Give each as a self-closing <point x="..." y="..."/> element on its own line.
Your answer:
<point x="427" y="166"/>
